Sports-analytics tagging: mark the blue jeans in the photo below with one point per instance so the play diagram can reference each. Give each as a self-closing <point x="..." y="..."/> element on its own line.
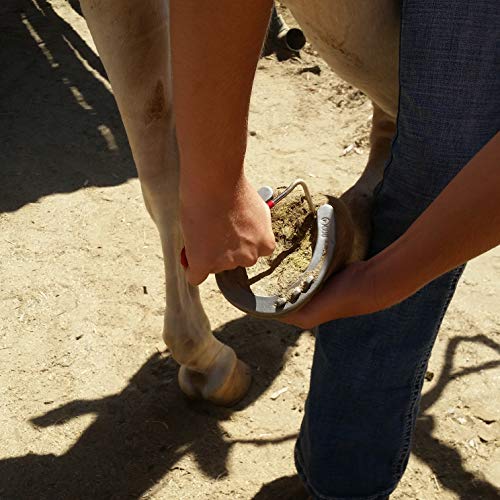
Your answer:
<point x="368" y="371"/>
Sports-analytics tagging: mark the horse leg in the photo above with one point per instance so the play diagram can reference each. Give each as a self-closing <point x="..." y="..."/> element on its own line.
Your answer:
<point x="133" y="42"/>
<point x="360" y="41"/>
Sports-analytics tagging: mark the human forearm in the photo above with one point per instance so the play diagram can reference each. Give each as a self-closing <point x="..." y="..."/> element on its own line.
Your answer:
<point x="215" y="49"/>
<point x="461" y="223"/>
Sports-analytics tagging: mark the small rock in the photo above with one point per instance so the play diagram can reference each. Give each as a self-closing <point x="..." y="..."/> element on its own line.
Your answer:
<point x="161" y="347"/>
<point x="277" y="394"/>
<point x="253" y="133"/>
<point x="489" y="433"/>
<point x="487" y="414"/>
<point x="429" y="375"/>
<point x="347" y="150"/>
<point x="315" y="70"/>
<point x="485" y="435"/>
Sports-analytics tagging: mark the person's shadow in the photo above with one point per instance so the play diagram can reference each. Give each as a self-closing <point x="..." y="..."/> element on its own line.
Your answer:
<point x="141" y="433"/>
<point x="60" y="130"/>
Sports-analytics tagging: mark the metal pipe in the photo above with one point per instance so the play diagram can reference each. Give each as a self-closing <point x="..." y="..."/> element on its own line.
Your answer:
<point x="292" y="39"/>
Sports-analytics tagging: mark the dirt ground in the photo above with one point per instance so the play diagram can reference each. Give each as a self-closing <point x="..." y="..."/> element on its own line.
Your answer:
<point x="89" y="403"/>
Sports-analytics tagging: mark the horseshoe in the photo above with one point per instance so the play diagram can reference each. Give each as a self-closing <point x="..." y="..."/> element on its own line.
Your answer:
<point x="234" y="284"/>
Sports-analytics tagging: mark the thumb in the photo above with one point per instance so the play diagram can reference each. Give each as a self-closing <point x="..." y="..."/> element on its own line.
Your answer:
<point x="195" y="277"/>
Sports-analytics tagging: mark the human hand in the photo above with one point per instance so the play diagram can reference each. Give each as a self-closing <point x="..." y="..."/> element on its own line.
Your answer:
<point x="351" y="292"/>
<point x="224" y="230"/>
<point x="461" y="223"/>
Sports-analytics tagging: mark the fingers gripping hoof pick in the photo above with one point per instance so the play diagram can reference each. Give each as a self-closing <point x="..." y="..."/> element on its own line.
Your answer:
<point x="235" y="284"/>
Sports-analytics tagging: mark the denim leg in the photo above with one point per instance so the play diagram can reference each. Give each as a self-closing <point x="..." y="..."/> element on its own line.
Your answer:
<point x="368" y="371"/>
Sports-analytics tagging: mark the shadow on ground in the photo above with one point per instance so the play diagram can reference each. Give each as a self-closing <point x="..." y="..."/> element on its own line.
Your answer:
<point x="140" y="434"/>
<point x="61" y="132"/>
<point x="60" y="128"/>
<point x="444" y="461"/>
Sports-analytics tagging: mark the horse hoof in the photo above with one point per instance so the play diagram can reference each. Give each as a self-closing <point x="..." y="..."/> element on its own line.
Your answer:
<point x="235" y="387"/>
<point x="224" y="384"/>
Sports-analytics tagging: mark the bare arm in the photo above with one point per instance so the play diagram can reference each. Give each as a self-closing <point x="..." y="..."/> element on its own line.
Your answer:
<point x="461" y="223"/>
<point x="215" y="49"/>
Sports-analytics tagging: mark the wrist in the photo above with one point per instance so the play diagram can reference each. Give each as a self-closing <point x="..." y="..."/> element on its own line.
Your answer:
<point x="212" y="188"/>
<point x="212" y="160"/>
<point x="393" y="275"/>
<point x="375" y="288"/>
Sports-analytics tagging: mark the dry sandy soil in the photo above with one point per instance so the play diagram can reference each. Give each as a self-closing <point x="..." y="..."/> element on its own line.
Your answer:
<point x="89" y="403"/>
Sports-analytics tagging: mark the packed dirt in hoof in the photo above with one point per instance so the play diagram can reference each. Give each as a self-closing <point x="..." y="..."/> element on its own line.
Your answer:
<point x="294" y="228"/>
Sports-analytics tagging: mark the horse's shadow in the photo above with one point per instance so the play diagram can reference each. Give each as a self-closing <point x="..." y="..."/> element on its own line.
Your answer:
<point x="60" y="129"/>
<point x="141" y="433"/>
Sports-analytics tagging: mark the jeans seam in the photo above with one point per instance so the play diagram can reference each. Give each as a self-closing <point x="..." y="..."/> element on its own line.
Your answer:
<point x="396" y="135"/>
<point x="410" y="417"/>
<point x="411" y="414"/>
